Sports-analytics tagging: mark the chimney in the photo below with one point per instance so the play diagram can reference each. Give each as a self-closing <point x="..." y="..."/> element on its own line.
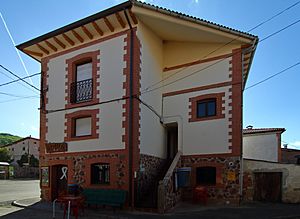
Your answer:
<point x="249" y="127"/>
<point x="285" y="146"/>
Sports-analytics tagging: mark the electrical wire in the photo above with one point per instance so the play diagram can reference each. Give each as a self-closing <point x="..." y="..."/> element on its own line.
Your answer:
<point x="198" y="71"/>
<point x="17" y="80"/>
<point x="9" y="71"/>
<point x="12" y="95"/>
<point x="21" y="98"/>
<point x="229" y="42"/>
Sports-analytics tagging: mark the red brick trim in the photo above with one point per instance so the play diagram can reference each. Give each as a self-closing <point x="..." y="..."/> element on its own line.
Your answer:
<point x="43" y="119"/>
<point x="278" y="136"/>
<point x="220" y="107"/>
<point x="236" y="99"/>
<point x="194" y="89"/>
<point x="71" y="76"/>
<point x="136" y="103"/>
<point x="197" y="62"/>
<point x="69" y="125"/>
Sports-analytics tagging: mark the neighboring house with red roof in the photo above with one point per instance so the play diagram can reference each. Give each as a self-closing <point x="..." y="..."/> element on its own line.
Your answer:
<point x="262" y="144"/>
<point x="27" y="145"/>
<point x="134" y="91"/>
<point x="289" y="155"/>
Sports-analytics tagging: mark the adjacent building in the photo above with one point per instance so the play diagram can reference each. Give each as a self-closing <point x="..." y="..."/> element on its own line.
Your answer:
<point x="134" y="91"/>
<point x="27" y="145"/>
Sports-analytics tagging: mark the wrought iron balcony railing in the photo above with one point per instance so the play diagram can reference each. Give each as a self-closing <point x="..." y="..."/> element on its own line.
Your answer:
<point x="82" y="91"/>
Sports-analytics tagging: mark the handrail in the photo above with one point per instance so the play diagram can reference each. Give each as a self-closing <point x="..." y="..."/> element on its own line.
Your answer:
<point x="171" y="168"/>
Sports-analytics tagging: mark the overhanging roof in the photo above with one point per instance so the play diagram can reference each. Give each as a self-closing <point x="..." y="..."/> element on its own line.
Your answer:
<point x="263" y="130"/>
<point x="167" y="24"/>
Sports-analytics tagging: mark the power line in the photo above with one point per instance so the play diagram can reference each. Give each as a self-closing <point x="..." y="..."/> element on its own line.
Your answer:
<point x="10" y="82"/>
<point x="196" y="72"/>
<point x="19" y="78"/>
<point x="12" y="95"/>
<point x="229" y="42"/>
<point x="21" y="98"/>
<point x="13" y="42"/>
<point x="274" y="75"/>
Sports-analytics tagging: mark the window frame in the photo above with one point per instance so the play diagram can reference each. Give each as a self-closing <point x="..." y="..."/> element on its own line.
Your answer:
<point x="71" y="76"/>
<point x="219" y="107"/>
<point x="206" y="102"/>
<point x="92" y="182"/>
<point x="205" y="183"/>
<point x="70" y="125"/>
<point x="74" y="127"/>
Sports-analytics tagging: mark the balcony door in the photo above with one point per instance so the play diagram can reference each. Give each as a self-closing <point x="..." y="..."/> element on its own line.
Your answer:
<point x="82" y="88"/>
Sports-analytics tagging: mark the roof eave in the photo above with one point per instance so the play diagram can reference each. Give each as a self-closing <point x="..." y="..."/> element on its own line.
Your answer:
<point x="76" y="24"/>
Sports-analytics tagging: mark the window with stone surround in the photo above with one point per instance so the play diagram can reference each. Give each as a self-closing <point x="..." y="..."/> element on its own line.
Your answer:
<point x="207" y="107"/>
<point x="82" y="79"/>
<point x="100" y="173"/>
<point x="82" y="125"/>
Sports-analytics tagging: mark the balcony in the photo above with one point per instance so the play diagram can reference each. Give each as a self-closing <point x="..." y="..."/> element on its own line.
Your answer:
<point x="82" y="91"/>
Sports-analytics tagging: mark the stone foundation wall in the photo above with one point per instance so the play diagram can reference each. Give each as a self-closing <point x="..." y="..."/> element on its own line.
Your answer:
<point x="79" y="169"/>
<point x="227" y="176"/>
<point x="150" y="168"/>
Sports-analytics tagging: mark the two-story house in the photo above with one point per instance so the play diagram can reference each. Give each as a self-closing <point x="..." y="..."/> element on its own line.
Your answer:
<point x="132" y="92"/>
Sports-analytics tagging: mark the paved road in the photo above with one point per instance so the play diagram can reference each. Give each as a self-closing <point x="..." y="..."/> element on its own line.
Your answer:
<point x="18" y="189"/>
<point x="255" y="211"/>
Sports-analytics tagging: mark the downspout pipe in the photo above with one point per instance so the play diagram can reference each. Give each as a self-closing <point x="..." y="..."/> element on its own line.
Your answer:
<point x="130" y="119"/>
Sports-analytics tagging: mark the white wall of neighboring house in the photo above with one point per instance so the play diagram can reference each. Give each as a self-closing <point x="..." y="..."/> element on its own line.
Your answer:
<point x="111" y="86"/>
<point x="261" y="147"/>
<point x="151" y="131"/>
<point x="28" y="145"/>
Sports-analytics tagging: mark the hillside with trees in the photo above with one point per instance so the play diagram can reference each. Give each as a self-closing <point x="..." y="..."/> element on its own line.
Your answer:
<point x="6" y="138"/>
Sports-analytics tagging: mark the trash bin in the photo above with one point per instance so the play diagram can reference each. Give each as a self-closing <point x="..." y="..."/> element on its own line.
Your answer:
<point x="183" y="176"/>
<point x="73" y="189"/>
<point x="200" y="194"/>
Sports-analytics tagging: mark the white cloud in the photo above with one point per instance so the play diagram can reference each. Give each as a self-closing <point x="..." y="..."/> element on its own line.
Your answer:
<point x="196" y="1"/>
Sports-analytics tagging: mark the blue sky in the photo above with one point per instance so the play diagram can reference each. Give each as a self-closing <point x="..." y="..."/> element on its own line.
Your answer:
<point x="275" y="103"/>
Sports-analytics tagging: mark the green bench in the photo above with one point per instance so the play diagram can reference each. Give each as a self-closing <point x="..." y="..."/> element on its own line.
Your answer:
<point x="106" y="197"/>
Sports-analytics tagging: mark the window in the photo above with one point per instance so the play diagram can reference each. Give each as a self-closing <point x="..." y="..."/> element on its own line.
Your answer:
<point x="82" y="87"/>
<point x="12" y="149"/>
<point x="206" y="108"/>
<point x="206" y="176"/>
<point x="100" y="173"/>
<point x="83" y="127"/>
<point x="23" y="148"/>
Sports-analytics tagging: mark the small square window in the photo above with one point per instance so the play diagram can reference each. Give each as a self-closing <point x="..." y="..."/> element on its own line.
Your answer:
<point x="83" y="127"/>
<point x="206" y="108"/>
<point x="206" y="176"/>
<point x="100" y="173"/>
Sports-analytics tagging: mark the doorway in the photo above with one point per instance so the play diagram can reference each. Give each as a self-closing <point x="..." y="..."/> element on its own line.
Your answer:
<point x="172" y="140"/>
<point x="59" y="180"/>
<point x="268" y="186"/>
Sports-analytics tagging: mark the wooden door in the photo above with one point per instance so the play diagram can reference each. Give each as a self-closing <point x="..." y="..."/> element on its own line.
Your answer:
<point x="267" y="186"/>
<point x="59" y="180"/>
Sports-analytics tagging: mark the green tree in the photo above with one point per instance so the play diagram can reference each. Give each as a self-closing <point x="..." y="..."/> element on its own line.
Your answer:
<point x="33" y="161"/>
<point x="24" y="159"/>
<point x="4" y="155"/>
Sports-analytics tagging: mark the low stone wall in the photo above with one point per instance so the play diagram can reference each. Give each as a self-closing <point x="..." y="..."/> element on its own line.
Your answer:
<point x="150" y="167"/>
<point x="290" y="179"/>
<point x="26" y="172"/>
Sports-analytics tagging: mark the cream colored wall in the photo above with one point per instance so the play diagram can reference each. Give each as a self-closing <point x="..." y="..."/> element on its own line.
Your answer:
<point x="18" y="149"/>
<point x="290" y="177"/>
<point x="261" y="147"/>
<point x="204" y="137"/>
<point x="177" y="53"/>
<point x="151" y="131"/>
<point x="111" y="87"/>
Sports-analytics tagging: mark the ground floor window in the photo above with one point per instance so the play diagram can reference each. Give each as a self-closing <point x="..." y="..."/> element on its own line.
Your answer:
<point x="100" y="173"/>
<point x="206" y="176"/>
